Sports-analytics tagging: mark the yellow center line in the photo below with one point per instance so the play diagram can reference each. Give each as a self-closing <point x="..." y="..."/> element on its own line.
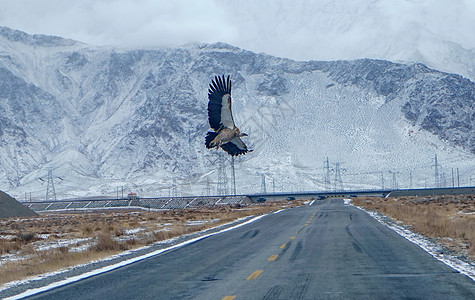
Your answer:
<point x="254" y="275"/>
<point x="305" y="225"/>
<point x="292" y="237"/>
<point x="229" y="297"/>
<point x="283" y="246"/>
<point x="308" y="222"/>
<point x="273" y="257"/>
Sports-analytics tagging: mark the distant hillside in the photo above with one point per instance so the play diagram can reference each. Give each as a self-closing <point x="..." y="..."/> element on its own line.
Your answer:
<point x="9" y="208"/>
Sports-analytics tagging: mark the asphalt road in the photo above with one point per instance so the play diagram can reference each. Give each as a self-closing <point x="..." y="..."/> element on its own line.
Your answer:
<point x="324" y="251"/>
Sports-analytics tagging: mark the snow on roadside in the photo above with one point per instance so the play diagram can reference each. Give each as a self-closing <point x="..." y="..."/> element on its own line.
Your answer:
<point x="431" y="247"/>
<point x="73" y="245"/>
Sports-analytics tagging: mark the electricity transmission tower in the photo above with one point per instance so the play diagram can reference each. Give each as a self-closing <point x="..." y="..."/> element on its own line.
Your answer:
<point x="222" y="188"/>
<point x="436" y="172"/>
<point x="338" y="183"/>
<point x="263" y="184"/>
<point x="443" y="179"/>
<point x="174" y="188"/>
<point x="50" y="190"/>
<point x="394" y="184"/>
<point x="208" y="187"/>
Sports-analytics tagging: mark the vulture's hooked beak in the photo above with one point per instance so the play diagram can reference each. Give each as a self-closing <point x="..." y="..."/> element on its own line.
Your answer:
<point x="243" y="134"/>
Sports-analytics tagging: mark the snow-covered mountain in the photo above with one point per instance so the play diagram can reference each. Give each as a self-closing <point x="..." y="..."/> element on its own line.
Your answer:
<point x="105" y="118"/>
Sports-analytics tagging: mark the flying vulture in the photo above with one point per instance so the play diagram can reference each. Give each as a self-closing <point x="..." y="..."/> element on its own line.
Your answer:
<point x="226" y="135"/>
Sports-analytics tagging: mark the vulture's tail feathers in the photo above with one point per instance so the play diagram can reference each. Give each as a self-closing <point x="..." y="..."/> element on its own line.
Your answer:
<point x="209" y="137"/>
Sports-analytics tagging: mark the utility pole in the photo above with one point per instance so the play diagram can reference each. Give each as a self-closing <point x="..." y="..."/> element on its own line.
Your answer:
<point x="326" y="168"/>
<point x="233" y="176"/>
<point x="410" y="179"/>
<point x="273" y="185"/>
<point x="458" y="178"/>
<point x="436" y="172"/>
<point x="453" y="178"/>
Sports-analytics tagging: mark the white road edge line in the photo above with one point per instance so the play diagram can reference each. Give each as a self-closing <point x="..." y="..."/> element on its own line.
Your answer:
<point x="53" y="285"/>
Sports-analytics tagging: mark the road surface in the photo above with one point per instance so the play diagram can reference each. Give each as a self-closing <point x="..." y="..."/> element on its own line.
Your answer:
<point x="325" y="251"/>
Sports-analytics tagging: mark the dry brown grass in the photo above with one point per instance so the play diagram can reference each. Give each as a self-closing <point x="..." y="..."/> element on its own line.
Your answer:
<point x="448" y="219"/>
<point x="107" y="234"/>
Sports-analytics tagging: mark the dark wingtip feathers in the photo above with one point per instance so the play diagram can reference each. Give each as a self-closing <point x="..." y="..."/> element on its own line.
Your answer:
<point x="220" y="84"/>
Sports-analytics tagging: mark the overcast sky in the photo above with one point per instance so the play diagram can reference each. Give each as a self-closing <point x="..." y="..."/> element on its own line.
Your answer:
<point x="320" y="29"/>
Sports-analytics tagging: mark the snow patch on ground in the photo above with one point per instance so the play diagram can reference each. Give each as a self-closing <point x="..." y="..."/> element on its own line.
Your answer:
<point x="200" y="222"/>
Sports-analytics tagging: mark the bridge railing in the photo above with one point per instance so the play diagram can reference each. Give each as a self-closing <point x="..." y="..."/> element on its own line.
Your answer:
<point x="151" y="203"/>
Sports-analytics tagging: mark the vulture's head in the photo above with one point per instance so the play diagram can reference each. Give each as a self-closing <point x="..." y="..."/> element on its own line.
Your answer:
<point x="239" y="133"/>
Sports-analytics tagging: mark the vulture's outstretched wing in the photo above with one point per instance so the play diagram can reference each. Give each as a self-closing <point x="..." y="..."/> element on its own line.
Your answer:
<point x="219" y="105"/>
<point x="235" y="147"/>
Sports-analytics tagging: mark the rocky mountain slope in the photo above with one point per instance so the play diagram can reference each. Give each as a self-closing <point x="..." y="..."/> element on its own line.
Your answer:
<point x="104" y="118"/>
